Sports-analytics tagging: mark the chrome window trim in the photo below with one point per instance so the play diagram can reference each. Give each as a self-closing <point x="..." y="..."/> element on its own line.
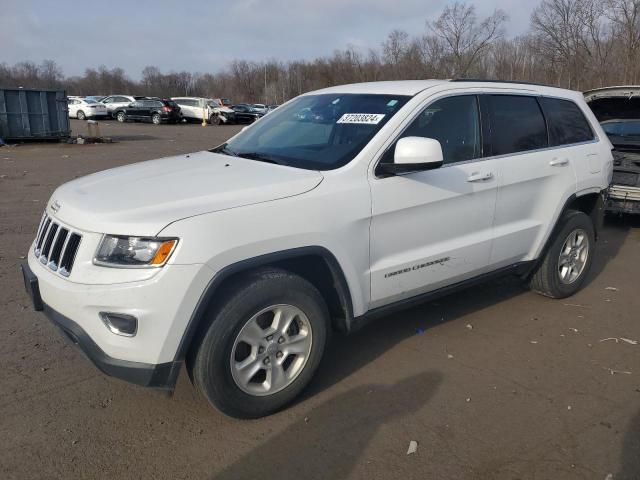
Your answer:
<point x="382" y="151"/>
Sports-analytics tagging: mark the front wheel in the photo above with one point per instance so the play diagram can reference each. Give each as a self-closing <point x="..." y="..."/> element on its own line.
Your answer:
<point x="215" y="120"/>
<point x="155" y="118"/>
<point x="568" y="260"/>
<point x="121" y="117"/>
<point x="81" y="115"/>
<point x="263" y="345"/>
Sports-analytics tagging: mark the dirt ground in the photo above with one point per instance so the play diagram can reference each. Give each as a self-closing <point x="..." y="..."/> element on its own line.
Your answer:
<point x="493" y="383"/>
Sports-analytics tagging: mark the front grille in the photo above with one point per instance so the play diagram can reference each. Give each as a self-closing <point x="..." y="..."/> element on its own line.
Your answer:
<point x="56" y="246"/>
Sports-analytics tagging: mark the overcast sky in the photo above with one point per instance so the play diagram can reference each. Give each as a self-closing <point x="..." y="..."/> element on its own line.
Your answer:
<point x="204" y="35"/>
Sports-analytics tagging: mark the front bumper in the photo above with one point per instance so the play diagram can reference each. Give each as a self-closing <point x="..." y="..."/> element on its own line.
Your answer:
<point x="162" y="376"/>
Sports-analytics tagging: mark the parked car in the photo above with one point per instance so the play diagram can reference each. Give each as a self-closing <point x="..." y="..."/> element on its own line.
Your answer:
<point x="83" y="108"/>
<point x="116" y="102"/>
<point x="193" y="109"/>
<point x="618" y="109"/>
<point x="240" y="261"/>
<point x="261" y="107"/>
<point x="97" y="98"/>
<point x="271" y="108"/>
<point x="150" y="110"/>
<point x="246" y="113"/>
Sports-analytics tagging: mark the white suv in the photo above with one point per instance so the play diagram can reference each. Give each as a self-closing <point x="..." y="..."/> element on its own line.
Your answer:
<point x="338" y="207"/>
<point x="194" y="108"/>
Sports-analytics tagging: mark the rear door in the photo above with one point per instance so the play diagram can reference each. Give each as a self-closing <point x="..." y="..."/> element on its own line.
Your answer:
<point x="536" y="177"/>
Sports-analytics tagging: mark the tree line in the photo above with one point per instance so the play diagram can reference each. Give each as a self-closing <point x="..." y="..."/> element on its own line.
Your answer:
<point x="577" y="44"/>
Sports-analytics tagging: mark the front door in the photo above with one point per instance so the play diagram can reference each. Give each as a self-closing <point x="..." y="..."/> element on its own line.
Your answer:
<point x="434" y="228"/>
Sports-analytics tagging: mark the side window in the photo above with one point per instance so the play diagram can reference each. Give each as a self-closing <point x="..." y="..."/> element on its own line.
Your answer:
<point x="631" y="129"/>
<point x="566" y="122"/>
<point x="107" y="100"/>
<point x="122" y="100"/>
<point x="517" y="124"/>
<point x="455" y="123"/>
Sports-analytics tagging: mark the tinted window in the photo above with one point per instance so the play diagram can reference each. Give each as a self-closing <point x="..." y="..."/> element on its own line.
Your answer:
<point x="122" y="100"/>
<point x="455" y="123"/>
<point x="612" y="128"/>
<point x="517" y="124"/>
<point x="107" y="100"/>
<point x="631" y="129"/>
<point x="566" y="122"/>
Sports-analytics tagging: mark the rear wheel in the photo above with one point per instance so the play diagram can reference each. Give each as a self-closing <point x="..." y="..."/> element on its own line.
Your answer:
<point x="155" y="118"/>
<point x="121" y="117"/>
<point x="263" y="345"/>
<point x="81" y="115"/>
<point x="568" y="260"/>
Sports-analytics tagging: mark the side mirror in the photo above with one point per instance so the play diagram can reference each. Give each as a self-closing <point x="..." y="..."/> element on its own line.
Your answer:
<point x="414" y="154"/>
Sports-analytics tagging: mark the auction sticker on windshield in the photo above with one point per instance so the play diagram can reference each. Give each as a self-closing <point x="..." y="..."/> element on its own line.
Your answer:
<point x="362" y="118"/>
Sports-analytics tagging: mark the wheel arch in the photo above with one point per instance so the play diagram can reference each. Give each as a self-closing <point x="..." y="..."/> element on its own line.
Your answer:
<point x="314" y="263"/>
<point x="591" y="203"/>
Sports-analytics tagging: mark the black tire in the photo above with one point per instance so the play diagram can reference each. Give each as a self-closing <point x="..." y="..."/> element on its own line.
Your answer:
<point x="156" y="119"/>
<point x="214" y="119"/>
<point x="81" y="115"/>
<point x="121" y="117"/>
<point x="547" y="278"/>
<point x="210" y="363"/>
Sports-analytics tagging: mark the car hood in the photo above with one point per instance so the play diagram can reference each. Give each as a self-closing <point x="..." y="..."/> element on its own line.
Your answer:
<point x="142" y="198"/>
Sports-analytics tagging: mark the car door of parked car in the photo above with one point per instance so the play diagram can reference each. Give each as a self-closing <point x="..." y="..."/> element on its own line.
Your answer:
<point x="72" y="105"/>
<point x="135" y="110"/>
<point x="536" y="178"/>
<point x="435" y="227"/>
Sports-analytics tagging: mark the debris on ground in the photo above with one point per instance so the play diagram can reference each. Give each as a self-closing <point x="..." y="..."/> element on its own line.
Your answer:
<point x="533" y="341"/>
<point x="468" y="400"/>
<point x="419" y="330"/>
<point x="614" y="372"/>
<point x="413" y="447"/>
<point x="575" y="305"/>
<point x="569" y="407"/>
<point x="469" y="326"/>
<point x="574" y="330"/>
<point x="620" y="339"/>
<point x="611" y="289"/>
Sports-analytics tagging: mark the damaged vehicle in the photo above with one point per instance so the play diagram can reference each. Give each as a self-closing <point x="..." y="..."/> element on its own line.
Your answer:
<point x="618" y="111"/>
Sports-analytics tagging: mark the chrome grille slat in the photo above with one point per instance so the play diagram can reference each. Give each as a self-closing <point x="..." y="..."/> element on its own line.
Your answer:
<point x="56" y="245"/>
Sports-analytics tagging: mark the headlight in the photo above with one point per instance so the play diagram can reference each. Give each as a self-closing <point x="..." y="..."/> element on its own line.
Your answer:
<point x="134" y="252"/>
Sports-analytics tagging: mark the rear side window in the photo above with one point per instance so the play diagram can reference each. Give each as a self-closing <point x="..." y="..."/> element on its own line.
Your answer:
<point x="566" y="121"/>
<point x="517" y="124"/>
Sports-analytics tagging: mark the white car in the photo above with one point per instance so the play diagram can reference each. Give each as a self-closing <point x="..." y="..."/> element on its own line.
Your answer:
<point x="117" y="102"/>
<point x="83" y="108"/>
<point x="240" y="261"/>
<point x="197" y="108"/>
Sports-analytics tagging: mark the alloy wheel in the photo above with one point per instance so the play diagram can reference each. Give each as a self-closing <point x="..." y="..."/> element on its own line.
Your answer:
<point x="271" y="350"/>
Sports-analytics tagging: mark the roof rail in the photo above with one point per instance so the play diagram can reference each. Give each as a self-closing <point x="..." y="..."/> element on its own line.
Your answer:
<point x="484" y="80"/>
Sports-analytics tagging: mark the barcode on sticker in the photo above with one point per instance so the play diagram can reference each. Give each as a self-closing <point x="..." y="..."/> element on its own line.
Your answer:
<point x="364" y="118"/>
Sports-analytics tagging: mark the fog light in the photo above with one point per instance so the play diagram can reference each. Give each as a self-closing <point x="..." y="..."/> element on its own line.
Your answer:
<point x="120" y="323"/>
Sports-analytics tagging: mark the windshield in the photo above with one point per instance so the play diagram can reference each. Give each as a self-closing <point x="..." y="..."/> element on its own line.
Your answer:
<point x="316" y="132"/>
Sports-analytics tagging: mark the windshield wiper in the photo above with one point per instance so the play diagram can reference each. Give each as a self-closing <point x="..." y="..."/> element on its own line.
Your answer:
<point x="261" y="157"/>
<point x="224" y="150"/>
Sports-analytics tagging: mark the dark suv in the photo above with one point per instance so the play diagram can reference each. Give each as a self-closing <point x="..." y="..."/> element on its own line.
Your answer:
<point x="150" y="110"/>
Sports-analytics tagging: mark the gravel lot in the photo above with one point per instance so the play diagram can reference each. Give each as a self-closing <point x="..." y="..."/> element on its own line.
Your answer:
<point x="493" y="383"/>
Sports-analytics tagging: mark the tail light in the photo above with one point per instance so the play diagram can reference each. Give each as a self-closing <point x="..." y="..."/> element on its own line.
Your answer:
<point x="166" y="109"/>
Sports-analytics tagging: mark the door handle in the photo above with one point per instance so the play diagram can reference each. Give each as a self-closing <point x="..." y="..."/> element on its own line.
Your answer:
<point x="556" y="162"/>
<point x="479" y="177"/>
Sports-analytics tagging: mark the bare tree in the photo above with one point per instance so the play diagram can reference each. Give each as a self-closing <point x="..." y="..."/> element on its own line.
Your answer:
<point x="464" y="38"/>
